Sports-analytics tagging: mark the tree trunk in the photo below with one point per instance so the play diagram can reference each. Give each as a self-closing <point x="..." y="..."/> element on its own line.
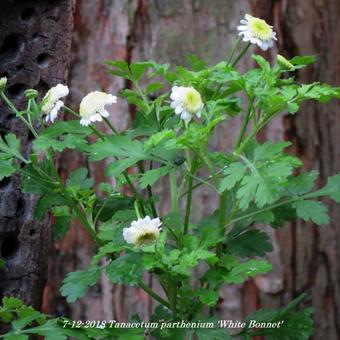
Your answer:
<point x="313" y="27"/>
<point x="35" y="39"/>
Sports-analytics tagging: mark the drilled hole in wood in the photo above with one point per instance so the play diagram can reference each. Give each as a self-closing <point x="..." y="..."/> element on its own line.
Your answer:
<point x="19" y="67"/>
<point x="9" y="246"/>
<point x="16" y="90"/>
<point x="35" y="36"/>
<point x="42" y="87"/>
<point x="43" y="60"/>
<point x="32" y="232"/>
<point x="28" y="13"/>
<point x="12" y="46"/>
<point x="5" y="182"/>
<point x="21" y="206"/>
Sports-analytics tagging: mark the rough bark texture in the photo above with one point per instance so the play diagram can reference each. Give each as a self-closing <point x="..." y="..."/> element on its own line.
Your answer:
<point x="312" y="261"/>
<point x="35" y="39"/>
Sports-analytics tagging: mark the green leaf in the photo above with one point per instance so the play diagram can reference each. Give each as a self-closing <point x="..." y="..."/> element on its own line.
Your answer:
<point x="121" y="68"/>
<point x="134" y="98"/>
<point x="250" y="243"/>
<point x="267" y="176"/>
<point x="293" y="324"/>
<point x="312" y="211"/>
<point x="60" y="128"/>
<point x="186" y="261"/>
<point x="11" y="302"/>
<point x="126" y="269"/>
<point x="67" y="141"/>
<point x="2" y="263"/>
<point x="153" y="87"/>
<point x="138" y="69"/>
<point x="63" y="217"/>
<point x="302" y="61"/>
<point x="207" y="297"/>
<point x="212" y="334"/>
<point x="78" y="180"/>
<point x="241" y="271"/>
<point x="6" y="166"/>
<point x="332" y="189"/>
<point x="234" y="173"/>
<point x="75" y="284"/>
<point x="47" y="201"/>
<point x="131" y="152"/>
<point x="152" y="176"/>
<point x="302" y="183"/>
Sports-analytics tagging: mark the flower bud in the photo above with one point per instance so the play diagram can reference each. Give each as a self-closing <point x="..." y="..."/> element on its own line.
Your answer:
<point x="284" y="63"/>
<point x="3" y="82"/>
<point x="31" y="93"/>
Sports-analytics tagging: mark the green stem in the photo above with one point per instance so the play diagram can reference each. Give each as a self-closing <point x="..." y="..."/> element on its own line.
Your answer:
<point x="17" y="113"/>
<point x="189" y="196"/>
<point x="244" y="126"/>
<point x="128" y="181"/>
<point x="173" y="189"/>
<point x="241" y="55"/>
<point x="153" y="294"/>
<point x="109" y="124"/>
<point x="222" y="220"/>
<point x="241" y="218"/>
<point x="141" y="93"/>
<point x="237" y="43"/>
<point x="148" y="188"/>
<point x="137" y="209"/>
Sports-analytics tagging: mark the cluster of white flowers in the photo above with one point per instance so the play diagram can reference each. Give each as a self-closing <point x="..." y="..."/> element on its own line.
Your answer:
<point x="186" y="101"/>
<point x="144" y="231"/>
<point x="257" y="31"/>
<point x="51" y="103"/>
<point x="92" y="107"/>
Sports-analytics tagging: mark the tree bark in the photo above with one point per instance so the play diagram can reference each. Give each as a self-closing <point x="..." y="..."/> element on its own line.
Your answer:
<point x="314" y="256"/>
<point x="35" y="39"/>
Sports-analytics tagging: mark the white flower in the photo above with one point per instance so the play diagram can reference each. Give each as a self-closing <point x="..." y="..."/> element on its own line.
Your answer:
<point x="51" y="103"/>
<point x="187" y="102"/>
<point x="144" y="231"/>
<point x="257" y="31"/>
<point x="92" y="107"/>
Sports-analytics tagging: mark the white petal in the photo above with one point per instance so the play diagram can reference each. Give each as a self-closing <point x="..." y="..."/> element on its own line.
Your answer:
<point x="186" y="116"/>
<point x="178" y="109"/>
<point x="104" y="113"/>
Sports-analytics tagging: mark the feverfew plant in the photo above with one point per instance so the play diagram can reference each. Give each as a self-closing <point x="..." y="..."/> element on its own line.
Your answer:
<point x="177" y="113"/>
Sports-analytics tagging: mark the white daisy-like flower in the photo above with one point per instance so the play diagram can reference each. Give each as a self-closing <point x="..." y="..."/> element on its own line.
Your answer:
<point x="187" y="102"/>
<point x="144" y="231"/>
<point x="92" y="107"/>
<point x="51" y="103"/>
<point x="257" y="31"/>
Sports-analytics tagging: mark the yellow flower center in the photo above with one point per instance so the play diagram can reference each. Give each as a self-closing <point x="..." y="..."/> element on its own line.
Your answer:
<point x="192" y="101"/>
<point x="260" y="29"/>
<point x="146" y="238"/>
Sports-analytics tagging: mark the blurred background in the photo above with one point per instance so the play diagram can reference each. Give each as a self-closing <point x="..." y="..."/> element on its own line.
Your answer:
<point x="43" y="43"/>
